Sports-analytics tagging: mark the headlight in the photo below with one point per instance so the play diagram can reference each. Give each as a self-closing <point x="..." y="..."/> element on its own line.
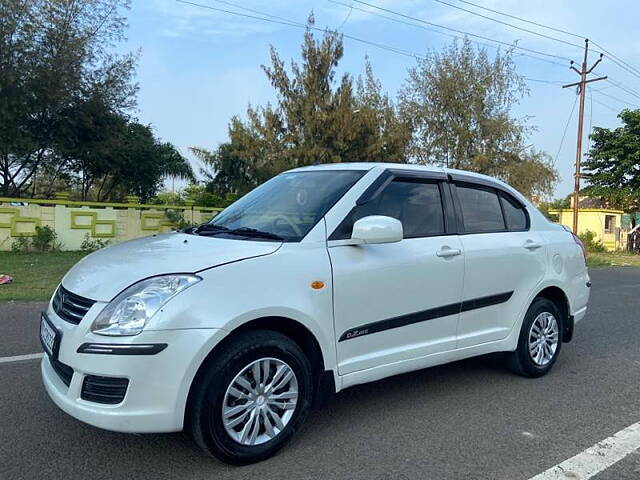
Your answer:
<point x="129" y="312"/>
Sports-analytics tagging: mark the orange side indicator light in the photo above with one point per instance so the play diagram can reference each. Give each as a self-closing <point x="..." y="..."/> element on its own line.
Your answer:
<point x="317" y="285"/>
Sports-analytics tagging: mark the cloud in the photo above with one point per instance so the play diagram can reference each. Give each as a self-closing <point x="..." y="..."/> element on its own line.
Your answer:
<point x="176" y="20"/>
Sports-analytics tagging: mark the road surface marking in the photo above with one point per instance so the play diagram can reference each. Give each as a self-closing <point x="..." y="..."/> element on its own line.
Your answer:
<point x="597" y="458"/>
<point x="19" y="358"/>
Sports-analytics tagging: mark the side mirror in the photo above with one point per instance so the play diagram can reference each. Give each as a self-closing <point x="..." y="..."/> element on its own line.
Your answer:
<point x="377" y="229"/>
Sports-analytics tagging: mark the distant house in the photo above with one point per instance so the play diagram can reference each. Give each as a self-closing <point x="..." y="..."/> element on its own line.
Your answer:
<point x="606" y="223"/>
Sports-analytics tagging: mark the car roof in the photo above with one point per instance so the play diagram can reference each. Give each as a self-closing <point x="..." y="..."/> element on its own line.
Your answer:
<point x="369" y="166"/>
<point x="395" y="166"/>
<point x="366" y="166"/>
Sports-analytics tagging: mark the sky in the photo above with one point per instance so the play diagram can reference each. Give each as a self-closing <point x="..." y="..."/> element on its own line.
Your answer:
<point x="199" y="67"/>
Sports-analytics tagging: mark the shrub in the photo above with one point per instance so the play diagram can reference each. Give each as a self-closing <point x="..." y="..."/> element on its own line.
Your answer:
<point x="45" y="240"/>
<point x="167" y="198"/>
<point x="176" y="218"/>
<point x="591" y="243"/>
<point x="21" y="244"/>
<point x="91" y="245"/>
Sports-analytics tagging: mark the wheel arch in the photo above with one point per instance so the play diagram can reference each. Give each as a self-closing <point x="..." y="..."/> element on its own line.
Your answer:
<point x="559" y="298"/>
<point x="323" y="380"/>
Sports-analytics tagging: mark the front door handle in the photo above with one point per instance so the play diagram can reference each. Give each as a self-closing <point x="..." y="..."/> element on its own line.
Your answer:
<point x="446" y="252"/>
<point x="531" y="245"/>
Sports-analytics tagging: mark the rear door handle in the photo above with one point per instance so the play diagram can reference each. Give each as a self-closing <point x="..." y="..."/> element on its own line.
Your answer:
<point x="446" y="252"/>
<point x="531" y="245"/>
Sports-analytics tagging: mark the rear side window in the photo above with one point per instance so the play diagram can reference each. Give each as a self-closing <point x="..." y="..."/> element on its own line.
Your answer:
<point x="418" y="205"/>
<point x="514" y="213"/>
<point x="481" y="210"/>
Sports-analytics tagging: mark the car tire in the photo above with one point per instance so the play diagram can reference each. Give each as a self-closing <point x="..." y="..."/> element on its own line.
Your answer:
<point x="231" y="382"/>
<point x="540" y="340"/>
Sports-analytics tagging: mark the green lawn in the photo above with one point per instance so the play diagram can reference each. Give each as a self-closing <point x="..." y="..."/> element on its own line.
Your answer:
<point x="612" y="259"/>
<point x="35" y="275"/>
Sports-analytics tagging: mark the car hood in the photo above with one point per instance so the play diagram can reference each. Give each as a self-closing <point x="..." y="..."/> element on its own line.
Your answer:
<point x="105" y="273"/>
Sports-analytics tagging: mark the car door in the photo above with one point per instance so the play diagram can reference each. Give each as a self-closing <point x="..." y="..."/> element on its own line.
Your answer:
<point x="398" y="301"/>
<point x="504" y="261"/>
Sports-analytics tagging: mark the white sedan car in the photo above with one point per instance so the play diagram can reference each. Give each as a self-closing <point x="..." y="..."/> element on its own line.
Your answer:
<point x="322" y="278"/>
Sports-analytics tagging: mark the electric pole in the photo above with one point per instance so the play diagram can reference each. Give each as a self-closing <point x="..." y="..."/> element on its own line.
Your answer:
<point x="582" y="86"/>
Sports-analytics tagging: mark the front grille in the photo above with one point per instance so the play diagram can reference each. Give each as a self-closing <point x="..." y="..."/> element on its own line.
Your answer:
<point x="65" y="372"/>
<point x="108" y="390"/>
<point x="69" y="306"/>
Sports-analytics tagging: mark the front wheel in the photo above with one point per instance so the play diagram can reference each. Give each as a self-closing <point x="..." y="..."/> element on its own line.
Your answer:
<point x="253" y="397"/>
<point x="539" y="342"/>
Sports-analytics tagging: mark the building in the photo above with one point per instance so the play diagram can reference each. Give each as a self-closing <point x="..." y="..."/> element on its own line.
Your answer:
<point x="605" y="223"/>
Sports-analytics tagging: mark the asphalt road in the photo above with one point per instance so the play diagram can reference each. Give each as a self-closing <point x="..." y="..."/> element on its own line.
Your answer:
<point x="471" y="419"/>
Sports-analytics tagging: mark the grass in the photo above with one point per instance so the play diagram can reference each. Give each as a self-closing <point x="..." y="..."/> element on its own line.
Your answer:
<point x="612" y="259"/>
<point x="35" y="275"/>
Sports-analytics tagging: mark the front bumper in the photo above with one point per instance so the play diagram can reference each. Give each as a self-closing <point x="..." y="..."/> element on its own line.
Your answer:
<point x="158" y="387"/>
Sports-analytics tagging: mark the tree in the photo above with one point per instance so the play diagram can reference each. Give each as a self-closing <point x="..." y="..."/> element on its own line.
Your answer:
<point x="140" y="165"/>
<point x="321" y="119"/>
<point x="88" y="148"/>
<point x="459" y="103"/>
<point x="318" y="118"/>
<point x="557" y="204"/>
<point x="54" y="58"/>
<point x="612" y="167"/>
<point x="174" y="165"/>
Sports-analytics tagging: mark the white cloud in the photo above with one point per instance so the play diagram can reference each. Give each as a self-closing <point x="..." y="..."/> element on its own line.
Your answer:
<point x="178" y="19"/>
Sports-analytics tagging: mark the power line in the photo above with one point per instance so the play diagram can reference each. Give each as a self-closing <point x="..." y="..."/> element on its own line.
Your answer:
<point x="559" y="30"/>
<point x="558" y="82"/>
<point x="291" y="23"/>
<point x="554" y="82"/>
<point x="284" y="21"/>
<point x="346" y="19"/>
<point x="404" y="22"/>
<point x="606" y="106"/>
<point x="590" y="120"/>
<point x="280" y="20"/>
<point x="626" y="69"/>
<point x="242" y="7"/>
<point x="353" y="7"/>
<point x="615" y="98"/>
<point x="549" y="37"/>
<point x="615" y="59"/>
<point x="623" y="88"/>
<point x="551" y="82"/>
<point x="566" y="127"/>
<point x="538" y="52"/>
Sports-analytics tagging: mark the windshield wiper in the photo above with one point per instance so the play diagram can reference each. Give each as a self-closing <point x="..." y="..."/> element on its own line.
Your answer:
<point x="207" y="228"/>
<point x="254" y="232"/>
<point x="211" y="229"/>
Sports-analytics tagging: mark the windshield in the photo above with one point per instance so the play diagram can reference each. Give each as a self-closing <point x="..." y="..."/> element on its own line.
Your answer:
<point x="286" y="207"/>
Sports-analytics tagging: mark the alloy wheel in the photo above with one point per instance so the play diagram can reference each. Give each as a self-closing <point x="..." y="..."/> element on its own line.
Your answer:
<point x="544" y="336"/>
<point x="260" y="401"/>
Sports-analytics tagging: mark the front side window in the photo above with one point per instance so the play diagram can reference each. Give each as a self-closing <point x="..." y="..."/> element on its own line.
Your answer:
<point x="417" y="204"/>
<point x="286" y="207"/>
<point x="481" y="210"/>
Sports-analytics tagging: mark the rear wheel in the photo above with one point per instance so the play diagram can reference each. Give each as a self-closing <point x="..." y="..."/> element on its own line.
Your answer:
<point x="253" y="397"/>
<point x="539" y="342"/>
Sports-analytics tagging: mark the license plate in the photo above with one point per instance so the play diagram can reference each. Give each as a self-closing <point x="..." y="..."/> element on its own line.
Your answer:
<point x="47" y="335"/>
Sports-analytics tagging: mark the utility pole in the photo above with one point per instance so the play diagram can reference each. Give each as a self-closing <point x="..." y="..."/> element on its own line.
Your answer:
<point x="582" y="86"/>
